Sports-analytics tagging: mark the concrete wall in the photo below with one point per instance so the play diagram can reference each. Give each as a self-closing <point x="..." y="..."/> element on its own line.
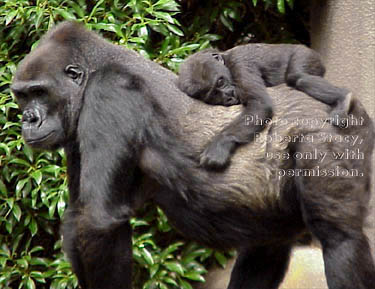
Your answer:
<point x="343" y="31"/>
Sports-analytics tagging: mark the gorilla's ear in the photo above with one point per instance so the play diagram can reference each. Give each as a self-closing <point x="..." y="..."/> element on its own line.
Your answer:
<point x="75" y="72"/>
<point x="218" y="57"/>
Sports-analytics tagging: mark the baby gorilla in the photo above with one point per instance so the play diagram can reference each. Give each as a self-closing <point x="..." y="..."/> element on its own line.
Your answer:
<point x="241" y="75"/>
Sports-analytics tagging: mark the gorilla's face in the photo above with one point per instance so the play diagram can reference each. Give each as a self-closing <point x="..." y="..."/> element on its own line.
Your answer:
<point x="48" y="87"/>
<point x="204" y="76"/>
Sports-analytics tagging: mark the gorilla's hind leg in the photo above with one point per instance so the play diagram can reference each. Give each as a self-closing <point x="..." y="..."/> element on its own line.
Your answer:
<point x="260" y="267"/>
<point x="305" y="72"/>
<point x="336" y="217"/>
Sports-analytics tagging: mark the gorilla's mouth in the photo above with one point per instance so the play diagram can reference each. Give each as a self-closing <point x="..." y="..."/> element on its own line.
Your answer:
<point x="42" y="139"/>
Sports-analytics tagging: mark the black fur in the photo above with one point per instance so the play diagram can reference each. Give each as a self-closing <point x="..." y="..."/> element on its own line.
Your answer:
<point x="131" y="136"/>
<point x="241" y="75"/>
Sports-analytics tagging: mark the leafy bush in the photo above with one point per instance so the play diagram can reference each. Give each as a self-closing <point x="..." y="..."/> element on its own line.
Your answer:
<point x="33" y="185"/>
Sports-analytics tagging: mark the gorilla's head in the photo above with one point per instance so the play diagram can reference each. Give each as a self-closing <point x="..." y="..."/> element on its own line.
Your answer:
<point x="49" y="85"/>
<point x="204" y="76"/>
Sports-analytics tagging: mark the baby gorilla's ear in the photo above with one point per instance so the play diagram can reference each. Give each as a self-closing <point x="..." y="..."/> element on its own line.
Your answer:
<point x="218" y="57"/>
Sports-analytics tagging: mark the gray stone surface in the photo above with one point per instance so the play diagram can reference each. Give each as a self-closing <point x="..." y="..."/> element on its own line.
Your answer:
<point x="343" y="32"/>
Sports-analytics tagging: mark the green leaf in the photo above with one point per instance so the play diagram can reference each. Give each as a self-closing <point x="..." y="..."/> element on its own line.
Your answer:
<point x="37" y="176"/>
<point x="188" y="47"/>
<point x="20" y="185"/>
<point x="3" y="188"/>
<point x="226" y="22"/>
<point x="16" y="242"/>
<point x="28" y="153"/>
<point x="105" y="26"/>
<point x="61" y="206"/>
<point x="77" y="9"/>
<point x="10" y="202"/>
<point x="147" y="256"/>
<point x="36" y="249"/>
<point x="9" y="226"/>
<point x="255" y="2"/>
<point x="52" y="207"/>
<point x="212" y="37"/>
<point x="174" y="267"/>
<point x="39" y="17"/>
<point x="5" y="148"/>
<point x="39" y="262"/>
<point x="38" y="276"/>
<point x="281" y="6"/>
<point x="17" y="213"/>
<point x="10" y="16"/>
<point x="23" y="263"/>
<point x="170" y="249"/>
<point x="154" y="269"/>
<point x="65" y="14"/>
<point x="168" y="5"/>
<point x="194" y="254"/>
<point x="93" y="11"/>
<point x="195" y="276"/>
<point x="137" y="223"/>
<point x="174" y="29"/>
<point x="150" y="284"/>
<point x="52" y="169"/>
<point x="171" y="281"/>
<point x="30" y="283"/>
<point x="185" y="285"/>
<point x="221" y="259"/>
<point x="19" y="162"/>
<point x="33" y="227"/>
<point x="165" y="16"/>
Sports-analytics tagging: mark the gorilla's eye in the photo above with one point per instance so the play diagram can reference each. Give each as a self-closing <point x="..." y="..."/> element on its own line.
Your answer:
<point x="20" y="95"/>
<point x="38" y="91"/>
<point x="220" y="82"/>
<point x="218" y="57"/>
<point x="74" y="72"/>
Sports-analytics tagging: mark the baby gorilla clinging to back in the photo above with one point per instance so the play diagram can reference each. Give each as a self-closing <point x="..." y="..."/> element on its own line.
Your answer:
<point x="241" y="75"/>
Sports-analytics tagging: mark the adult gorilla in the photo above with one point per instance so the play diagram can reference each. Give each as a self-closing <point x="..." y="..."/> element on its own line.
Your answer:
<point x="130" y="136"/>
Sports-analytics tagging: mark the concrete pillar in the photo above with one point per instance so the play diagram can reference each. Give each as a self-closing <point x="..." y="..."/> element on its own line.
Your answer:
<point x="343" y="32"/>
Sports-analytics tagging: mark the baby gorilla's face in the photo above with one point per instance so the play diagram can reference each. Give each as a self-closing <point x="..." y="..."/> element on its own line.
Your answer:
<point x="218" y="86"/>
<point x="204" y="76"/>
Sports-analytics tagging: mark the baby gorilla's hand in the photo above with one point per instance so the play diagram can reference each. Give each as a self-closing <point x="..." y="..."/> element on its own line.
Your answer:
<point x="217" y="154"/>
<point x="229" y="101"/>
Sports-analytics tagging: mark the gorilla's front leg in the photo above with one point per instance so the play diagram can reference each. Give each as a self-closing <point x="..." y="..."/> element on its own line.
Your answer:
<point x="106" y="255"/>
<point x="101" y="257"/>
<point x="70" y="233"/>
<point x="260" y="268"/>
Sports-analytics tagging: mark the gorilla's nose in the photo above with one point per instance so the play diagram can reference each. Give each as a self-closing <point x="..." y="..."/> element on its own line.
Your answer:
<point x="30" y="116"/>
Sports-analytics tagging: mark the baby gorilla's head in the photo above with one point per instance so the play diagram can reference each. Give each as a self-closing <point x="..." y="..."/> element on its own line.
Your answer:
<point x="204" y="76"/>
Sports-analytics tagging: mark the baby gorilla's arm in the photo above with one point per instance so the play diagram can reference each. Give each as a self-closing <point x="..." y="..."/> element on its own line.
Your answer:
<point x="257" y="105"/>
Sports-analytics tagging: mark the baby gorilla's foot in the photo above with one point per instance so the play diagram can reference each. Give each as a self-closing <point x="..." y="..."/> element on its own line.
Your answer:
<point x="339" y="115"/>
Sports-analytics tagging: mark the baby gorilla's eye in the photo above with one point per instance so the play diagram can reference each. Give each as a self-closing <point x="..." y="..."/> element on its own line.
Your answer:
<point x="220" y="82"/>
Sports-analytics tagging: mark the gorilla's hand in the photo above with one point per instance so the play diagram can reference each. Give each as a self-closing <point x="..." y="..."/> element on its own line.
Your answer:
<point x="217" y="153"/>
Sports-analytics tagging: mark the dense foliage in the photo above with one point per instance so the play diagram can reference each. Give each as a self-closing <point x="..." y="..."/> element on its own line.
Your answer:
<point x="33" y="188"/>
